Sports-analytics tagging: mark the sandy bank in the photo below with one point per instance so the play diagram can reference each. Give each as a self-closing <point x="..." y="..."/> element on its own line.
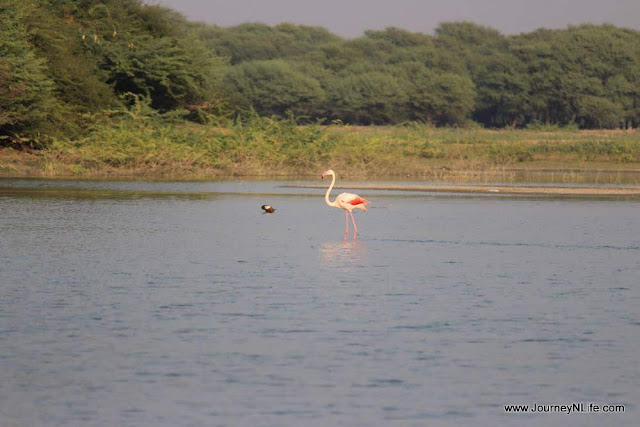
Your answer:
<point x="498" y="189"/>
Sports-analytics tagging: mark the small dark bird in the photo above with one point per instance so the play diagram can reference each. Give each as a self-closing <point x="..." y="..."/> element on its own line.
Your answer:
<point x="268" y="209"/>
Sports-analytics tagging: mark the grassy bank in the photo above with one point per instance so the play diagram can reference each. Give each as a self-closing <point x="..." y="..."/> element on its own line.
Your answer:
<point x="265" y="147"/>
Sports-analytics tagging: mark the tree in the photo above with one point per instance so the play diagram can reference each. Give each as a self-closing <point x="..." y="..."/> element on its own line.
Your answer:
<point x="399" y="37"/>
<point x="503" y="92"/>
<point x="251" y="42"/>
<point x="439" y="97"/>
<point x="80" y="85"/>
<point x="272" y="87"/>
<point x="26" y="92"/>
<point x="371" y="97"/>
<point x="470" y="43"/>
<point x="173" y="73"/>
<point x="546" y="79"/>
<point x="582" y="74"/>
<point x="149" y="51"/>
<point x="598" y="112"/>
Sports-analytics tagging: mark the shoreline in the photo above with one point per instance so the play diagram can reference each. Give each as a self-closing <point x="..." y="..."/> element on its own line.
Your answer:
<point x="516" y="189"/>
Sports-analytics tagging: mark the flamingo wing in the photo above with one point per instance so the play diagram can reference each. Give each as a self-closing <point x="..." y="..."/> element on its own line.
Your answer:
<point x="358" y="201"/>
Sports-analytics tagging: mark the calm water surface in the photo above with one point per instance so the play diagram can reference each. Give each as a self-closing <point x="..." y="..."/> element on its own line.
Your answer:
<point x="180" y="304"/>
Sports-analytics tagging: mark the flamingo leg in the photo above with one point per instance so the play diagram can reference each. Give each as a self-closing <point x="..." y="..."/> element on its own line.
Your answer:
<point x="355" y="227"/>
<point x="346" y="224"/>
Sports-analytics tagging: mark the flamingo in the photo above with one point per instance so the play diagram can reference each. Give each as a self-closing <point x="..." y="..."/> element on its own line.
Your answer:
<point x="346" y="201"/>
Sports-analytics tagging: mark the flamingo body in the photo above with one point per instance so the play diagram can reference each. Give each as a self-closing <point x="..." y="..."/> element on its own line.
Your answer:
<point x="349" y="202"/>
<point x="346" y="201"/>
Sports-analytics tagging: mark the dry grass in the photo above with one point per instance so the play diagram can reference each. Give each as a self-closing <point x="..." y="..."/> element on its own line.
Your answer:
<point x="266" y="147"/>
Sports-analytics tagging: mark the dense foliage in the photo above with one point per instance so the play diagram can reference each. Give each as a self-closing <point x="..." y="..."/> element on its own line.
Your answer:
<point x="65" y="64"/>
<point x="587" y="75"/>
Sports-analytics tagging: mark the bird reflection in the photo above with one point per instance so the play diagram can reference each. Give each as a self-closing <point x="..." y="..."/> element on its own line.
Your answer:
<point x="343" y="254"/>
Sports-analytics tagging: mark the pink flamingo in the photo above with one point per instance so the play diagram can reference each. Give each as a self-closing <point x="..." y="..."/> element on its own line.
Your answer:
<point x="346" y="201"/>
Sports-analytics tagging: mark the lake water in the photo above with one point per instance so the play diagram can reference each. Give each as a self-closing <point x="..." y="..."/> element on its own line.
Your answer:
<point x="181" y="304"/>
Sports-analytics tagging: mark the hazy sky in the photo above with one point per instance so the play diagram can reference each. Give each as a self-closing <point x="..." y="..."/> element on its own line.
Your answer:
<point x="350" y="18"/>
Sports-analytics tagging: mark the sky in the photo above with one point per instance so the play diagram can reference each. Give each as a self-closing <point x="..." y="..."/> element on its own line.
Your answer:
<point x="350" y="18"/>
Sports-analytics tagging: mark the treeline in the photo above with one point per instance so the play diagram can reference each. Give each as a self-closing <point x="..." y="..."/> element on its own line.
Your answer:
<point x="65" y="64"/>
<point x="587" y="76"/>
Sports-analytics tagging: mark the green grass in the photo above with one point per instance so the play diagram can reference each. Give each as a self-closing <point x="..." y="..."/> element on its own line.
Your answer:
<point x="262" y="146"/>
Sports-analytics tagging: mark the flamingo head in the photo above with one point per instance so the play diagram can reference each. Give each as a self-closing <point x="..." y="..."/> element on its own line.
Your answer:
<point x="327" y="172"/>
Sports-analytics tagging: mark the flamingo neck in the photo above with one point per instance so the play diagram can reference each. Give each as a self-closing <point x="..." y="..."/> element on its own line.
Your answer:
<point x="326" y="196"/>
